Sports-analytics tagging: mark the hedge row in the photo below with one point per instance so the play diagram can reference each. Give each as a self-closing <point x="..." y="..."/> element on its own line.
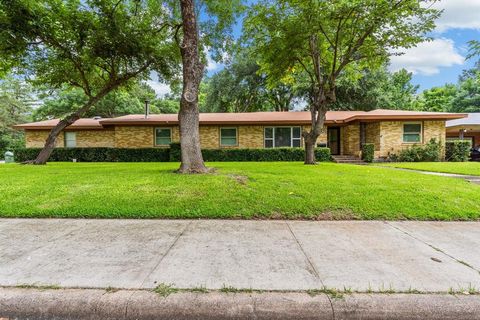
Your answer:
<point x="458" y="150"/>
<point x="170" y="154"/>
<point x="97" y="154"/>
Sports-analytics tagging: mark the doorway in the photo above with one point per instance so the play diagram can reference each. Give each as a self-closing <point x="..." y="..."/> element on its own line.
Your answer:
<point x="333" y="140"/>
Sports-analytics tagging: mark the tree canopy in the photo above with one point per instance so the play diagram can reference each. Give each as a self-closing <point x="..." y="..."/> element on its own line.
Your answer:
<point x="314" y="43"/>
<point x="93" y="45"/>
<point x="123" y="101"/>
<point x="241" y="87"/>
<point x="16" y="100"/>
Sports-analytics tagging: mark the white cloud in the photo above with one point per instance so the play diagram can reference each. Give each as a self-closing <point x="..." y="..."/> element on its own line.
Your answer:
<point x="462" y="14"/>
<point x="161" y="89"/>
<point x="212" y="65"/>
<point x="428" y="57"/>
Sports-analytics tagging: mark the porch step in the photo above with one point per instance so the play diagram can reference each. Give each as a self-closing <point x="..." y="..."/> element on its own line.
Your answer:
<point x="348" y="159"/>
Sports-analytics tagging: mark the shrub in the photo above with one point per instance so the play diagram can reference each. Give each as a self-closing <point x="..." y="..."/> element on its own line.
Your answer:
<point x="175" y="152"/>
<point x="457" y="150"/>
<point x="97" y="154"/>
<point x="368" y="152"/>
<point x="170" y="154"/>
<point x="271" y="154"/>
<point x="431" y="152"/>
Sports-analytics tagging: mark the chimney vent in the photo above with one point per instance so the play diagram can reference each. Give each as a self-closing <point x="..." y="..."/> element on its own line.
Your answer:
<point x="147" y="109"/>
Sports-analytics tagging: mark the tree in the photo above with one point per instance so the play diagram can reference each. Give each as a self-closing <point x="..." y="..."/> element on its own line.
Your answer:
<point x="437" y="99"/>
<point x="467" y="98"/>
<point x="193" y="71"/>
<point x="16" y="100"/>
<point x="94" y="45"/>
<point x="317" y="42"/>
<point x="122" y="101"/>
<point x="376" y="89"/>
<point x="240" y="87"/>
<point x="461" y="97"/>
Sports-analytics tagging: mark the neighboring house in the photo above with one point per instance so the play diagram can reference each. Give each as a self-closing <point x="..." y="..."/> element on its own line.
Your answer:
<point x="465" y="129"/>
<point x="389" y="130"/>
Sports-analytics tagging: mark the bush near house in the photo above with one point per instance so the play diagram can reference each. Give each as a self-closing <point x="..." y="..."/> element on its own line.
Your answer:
<point x="368" y="152"/>
<point x="458" y="150"/>
<point x="171" y="154"/>
<point x="97" y="154"/>
<point x="431" y="152"/>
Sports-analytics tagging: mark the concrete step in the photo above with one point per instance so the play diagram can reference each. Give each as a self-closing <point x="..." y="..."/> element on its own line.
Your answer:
<point x="348" y="159"/>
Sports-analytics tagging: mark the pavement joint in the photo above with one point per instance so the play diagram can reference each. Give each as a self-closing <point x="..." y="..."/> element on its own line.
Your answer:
<point x="166" y="253"/>
<point x="434" y="248"/>
<point x="310" y="262"/>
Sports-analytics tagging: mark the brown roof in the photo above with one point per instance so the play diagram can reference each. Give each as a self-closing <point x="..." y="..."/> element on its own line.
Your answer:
<point x="259" y="118"/>
<point x="85" y="123"/>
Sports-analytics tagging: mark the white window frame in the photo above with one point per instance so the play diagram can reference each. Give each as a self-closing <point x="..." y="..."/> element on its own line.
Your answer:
<point x="419" y="133"/>
<point x="66" y="141"/>
<point x="291" y="136"/>
<point x="236" y="137"/>
<point x="155" y="136"/>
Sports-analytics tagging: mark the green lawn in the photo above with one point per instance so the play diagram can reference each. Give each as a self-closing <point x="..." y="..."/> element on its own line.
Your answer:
<point x="468" y="168"/>
<point x="236" y="190"/>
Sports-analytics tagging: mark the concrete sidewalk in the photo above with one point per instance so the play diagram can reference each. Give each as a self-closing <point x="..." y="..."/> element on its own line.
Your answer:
<point x="263" y="255"/>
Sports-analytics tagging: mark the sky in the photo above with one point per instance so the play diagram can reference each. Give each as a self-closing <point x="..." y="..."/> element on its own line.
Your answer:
<point x="442" y="60"/>
<point x="432" y="63"/>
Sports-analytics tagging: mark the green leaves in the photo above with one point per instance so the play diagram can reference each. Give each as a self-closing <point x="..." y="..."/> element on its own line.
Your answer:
<point x="324" y="40"/>
<point x="87" y="44"/>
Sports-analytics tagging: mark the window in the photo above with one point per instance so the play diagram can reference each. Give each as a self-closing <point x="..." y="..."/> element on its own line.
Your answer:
<point x="163" y="136"/>
<point x="278" y="137"/>
<point x="412" y="132"/>
<point x="228" y="137"/>
<point x="70" y="139"/>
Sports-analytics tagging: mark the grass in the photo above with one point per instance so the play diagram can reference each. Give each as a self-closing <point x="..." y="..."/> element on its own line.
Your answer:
<point x="236" y="190"/>
<point x="165" y="290"/>
<point x="468" y="168"/>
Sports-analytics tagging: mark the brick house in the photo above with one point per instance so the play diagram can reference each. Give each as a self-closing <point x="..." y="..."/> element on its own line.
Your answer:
<point x="389" y="130"/>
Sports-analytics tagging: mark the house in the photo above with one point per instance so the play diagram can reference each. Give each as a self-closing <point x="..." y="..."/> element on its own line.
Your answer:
<point x="465" y="129"/>
<point x="389" y="130"/>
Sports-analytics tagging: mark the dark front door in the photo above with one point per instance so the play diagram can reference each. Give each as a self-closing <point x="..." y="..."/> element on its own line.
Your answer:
<point x="333" y="137"/>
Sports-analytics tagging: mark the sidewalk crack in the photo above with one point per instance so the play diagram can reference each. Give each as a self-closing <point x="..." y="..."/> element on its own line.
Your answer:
<point x="312" y="266"/>
<point x="434" y="247"/>
<point x="166" y="253"/>
<point x="310" y="263"/>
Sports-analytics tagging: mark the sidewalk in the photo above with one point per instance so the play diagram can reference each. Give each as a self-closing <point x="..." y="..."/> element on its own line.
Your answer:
<point x="263" y="255"/>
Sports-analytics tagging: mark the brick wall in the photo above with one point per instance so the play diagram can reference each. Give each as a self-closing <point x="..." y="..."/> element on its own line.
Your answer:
<point x="350" y="137"/>
<point x="36" y="139"/>
<point x="95" y="138"/>
<point x="391" y="135"/>
<point x="85" y="138"/>
<point x="140" y="136"/>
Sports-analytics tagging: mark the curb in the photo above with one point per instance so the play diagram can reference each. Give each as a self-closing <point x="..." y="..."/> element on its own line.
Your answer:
<point x="93" y="304"/>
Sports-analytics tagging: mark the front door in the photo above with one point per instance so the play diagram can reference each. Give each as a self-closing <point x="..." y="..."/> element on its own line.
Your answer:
<point x="333" y="137"/>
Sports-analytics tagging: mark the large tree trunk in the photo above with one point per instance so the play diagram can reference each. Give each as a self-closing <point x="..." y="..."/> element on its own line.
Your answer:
<point x="310" y="137"/>
<point x="192" y="160"/>
<point x="310" y="142"/>
<point x="45" y="153"/>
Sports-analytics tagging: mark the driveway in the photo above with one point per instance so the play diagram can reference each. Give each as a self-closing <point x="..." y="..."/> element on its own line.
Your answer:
<point x="265" y="255"/>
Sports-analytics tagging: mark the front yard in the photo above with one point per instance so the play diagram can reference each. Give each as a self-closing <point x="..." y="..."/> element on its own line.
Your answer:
<point x="236" y="190"/>
<point x="467" y="168"/>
